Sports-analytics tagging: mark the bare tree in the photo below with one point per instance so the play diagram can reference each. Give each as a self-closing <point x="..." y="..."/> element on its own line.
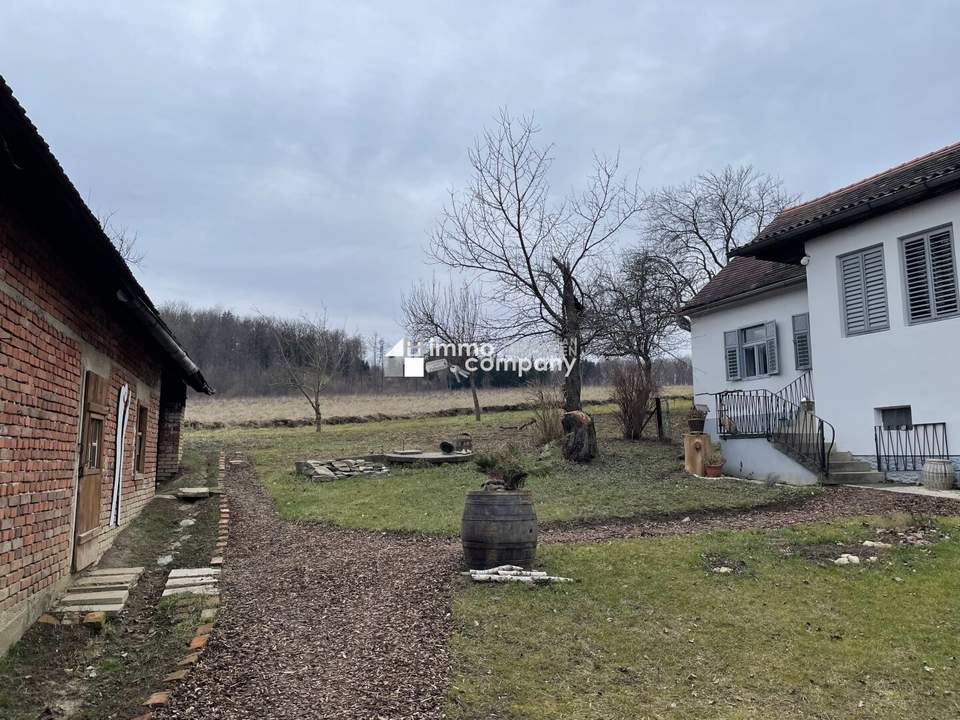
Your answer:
<point x="311" y="355"/>
<point x="637" y="318"/>
<point x="122" y="238"/>
<point x="542" y="255"/>
<point x="452" y="314"/>
<point x="700" y="222"/>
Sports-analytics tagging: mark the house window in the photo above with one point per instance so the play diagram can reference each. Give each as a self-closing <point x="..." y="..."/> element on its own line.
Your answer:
<point x="751" y="352"/>
<point x="801" y="342"/>
<point x="930" y="276"/>
<point x="140" y="446"/>
<point x="863" y="291"/>
<point x="896" y="418"/>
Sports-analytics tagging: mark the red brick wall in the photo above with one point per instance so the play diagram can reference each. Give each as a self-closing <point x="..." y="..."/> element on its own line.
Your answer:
<point x="51" y="323"/>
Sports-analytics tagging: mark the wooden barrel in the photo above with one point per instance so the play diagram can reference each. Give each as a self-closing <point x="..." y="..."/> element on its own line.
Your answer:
<point x="938" y="474"/>
<point x="499" y="528"/>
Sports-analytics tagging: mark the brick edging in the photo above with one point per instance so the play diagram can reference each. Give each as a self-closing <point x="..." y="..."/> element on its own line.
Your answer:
<point x="208" y="616"/>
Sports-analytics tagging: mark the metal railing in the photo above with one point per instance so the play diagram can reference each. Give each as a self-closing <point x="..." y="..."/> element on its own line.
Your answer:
<point x="791" y="425"/>
<point x="908" y="448"/>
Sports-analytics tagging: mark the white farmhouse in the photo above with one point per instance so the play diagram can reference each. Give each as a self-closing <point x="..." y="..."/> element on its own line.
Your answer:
<point x="828" y="349"/>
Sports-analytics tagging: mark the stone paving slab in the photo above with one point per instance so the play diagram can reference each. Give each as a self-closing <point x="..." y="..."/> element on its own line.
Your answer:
<point x="110" y="609"/>
<point x="194" y="572"/>
<point x="188" y="581"/>
<point x="192" y="590"/>
<point x="115" y="571"/>
<point x="102" y="596"/>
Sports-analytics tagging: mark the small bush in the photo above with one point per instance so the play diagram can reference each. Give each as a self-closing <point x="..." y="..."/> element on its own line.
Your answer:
<point x="547" y="403"/>
<point x="506" y="465"/>
<point x="631" y="394"/>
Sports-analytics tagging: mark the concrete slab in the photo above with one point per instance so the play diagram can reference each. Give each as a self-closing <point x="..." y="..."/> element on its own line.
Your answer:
<point x="192" y="572"/>
<point x="909" y="490"/>
<point x="114" y="571"/>
<point x="195" y="580"/>
<point x="99" y="596"/>
<point x="193" y="493"/>
<point x="192" y="590"/>
<point x="80" y="608"/>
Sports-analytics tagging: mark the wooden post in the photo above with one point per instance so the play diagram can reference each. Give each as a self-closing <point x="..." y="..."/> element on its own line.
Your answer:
<point x="659" y="410"/>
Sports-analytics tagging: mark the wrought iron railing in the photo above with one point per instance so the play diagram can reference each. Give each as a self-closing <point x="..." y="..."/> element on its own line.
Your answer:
<point x="791" y="425"/>
<point x="908" y="448"/>
<point x="800" y="391"/>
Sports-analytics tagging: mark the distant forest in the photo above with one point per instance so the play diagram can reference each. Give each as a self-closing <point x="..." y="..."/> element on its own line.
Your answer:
<point x="239" y="356"/>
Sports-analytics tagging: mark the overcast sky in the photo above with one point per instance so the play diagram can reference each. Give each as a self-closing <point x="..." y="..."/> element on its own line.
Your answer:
<point x="288" y="155"/>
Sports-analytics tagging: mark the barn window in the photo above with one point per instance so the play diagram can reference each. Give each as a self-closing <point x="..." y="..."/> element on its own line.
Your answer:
<point x="140" y="446"/>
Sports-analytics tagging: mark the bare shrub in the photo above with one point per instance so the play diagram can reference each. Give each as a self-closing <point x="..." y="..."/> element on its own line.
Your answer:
<point x="632" y="390"/>
<point x="547" y="401"/>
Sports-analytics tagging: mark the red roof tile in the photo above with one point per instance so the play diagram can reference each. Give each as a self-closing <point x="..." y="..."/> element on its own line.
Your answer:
<point x="745" y="275"/>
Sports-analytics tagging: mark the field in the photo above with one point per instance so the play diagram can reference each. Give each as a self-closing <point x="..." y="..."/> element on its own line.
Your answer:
<point x="265" y="409"/>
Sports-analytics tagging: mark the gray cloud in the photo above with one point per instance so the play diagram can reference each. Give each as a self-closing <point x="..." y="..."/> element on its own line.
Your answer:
<point x="291" y="155"/>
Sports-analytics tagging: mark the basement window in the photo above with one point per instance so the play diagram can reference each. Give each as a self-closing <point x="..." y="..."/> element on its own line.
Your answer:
<point x="896" y="418"/>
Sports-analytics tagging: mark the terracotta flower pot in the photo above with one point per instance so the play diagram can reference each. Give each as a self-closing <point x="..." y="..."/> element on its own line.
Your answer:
<point x="713" y="470"/>
<point x="695" y="424"/>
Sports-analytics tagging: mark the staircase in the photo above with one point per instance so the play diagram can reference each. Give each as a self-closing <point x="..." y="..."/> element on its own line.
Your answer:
<point x="845" y="470"/>
<point x="786" y="419"/>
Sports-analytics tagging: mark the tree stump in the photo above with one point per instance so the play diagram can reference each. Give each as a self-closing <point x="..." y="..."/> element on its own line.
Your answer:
<point x="580" y="436"/>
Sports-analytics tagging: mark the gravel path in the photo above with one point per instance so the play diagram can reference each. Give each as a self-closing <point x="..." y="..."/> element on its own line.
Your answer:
<point x="322" y="623"/>
<point x="833" y="502"/>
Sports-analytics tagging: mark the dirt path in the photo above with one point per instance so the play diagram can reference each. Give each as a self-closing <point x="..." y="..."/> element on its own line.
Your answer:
<point x="832" y="503"/>
<point x="322" y="623"/>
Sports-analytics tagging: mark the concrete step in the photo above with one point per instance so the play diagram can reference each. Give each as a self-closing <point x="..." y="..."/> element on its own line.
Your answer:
<point x="194" y="572"/>
<point x="854" y="477"/>
<point x="840" y="456"/>
<point x="849" y="465"/>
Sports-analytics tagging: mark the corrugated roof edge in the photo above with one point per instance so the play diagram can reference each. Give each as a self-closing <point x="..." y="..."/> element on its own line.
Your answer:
<point x="150" y="316"/>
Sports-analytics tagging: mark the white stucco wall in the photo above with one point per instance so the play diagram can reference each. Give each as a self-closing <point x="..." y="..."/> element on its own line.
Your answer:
<point x="914" y="365"/>
<point x="757" y="459"/>
<point x="706" y="340"/>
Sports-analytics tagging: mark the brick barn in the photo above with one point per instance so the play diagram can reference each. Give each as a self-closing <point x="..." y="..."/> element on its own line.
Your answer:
<point x="87" y="368"/>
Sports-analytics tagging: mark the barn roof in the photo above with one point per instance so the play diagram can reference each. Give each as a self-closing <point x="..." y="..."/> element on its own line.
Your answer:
<point x="26" y="154"/>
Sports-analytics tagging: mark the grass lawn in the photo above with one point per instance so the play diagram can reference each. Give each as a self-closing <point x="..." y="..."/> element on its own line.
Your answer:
<point x="649" y="631"/>
<point x="628" y="480"/>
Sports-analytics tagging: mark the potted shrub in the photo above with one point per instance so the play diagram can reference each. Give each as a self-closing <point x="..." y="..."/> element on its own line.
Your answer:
<point x="696" y="418"/>
<point x="713" y="465"/>
<point x="499" y="525"/>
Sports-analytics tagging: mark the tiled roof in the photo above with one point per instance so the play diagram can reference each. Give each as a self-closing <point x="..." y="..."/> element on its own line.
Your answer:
<point x="918" y="179"/>
<point x="745" y="275"/>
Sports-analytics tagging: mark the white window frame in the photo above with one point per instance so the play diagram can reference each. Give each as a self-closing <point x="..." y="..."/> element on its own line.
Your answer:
<point x="925" y="234"/>
<point x="771" y="355"/>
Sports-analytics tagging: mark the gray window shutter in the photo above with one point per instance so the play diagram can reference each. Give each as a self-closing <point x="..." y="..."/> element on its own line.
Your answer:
<point x="875" y="284"/>
<point x="917" y="279"/>
<point x="773" y="352"/>
<point x="731" y="354"/>
<point x="863" y="289"/>
<point x="801" y="342"/>
<point x="930" y="276"/>
<point x="943" y="268"/>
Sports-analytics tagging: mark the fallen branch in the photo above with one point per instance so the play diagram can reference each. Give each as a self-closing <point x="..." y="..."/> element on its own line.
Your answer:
<point x="513" y="573"/>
